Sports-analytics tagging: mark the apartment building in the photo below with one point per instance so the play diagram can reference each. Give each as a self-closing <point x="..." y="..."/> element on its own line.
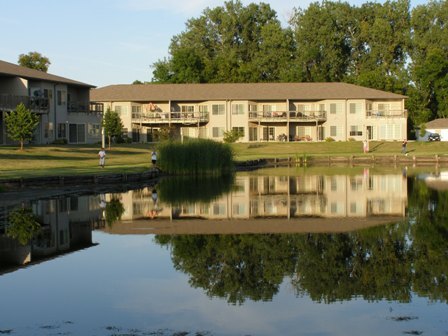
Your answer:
<point x="62" y="104"/>
<point x="260" y="111"/>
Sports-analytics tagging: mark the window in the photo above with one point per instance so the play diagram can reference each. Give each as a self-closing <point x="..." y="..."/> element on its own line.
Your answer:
<point x="253" y="134"/>
<point x="94" y="129"/>
<point x="334" y="184"/>
<point x="237" y="109"/>
<point x="333" y="108"/>
<point x="62" y="131"/>
<point x="61" y="97"/>
<point x="238" y="209"/>
<point x="268" y="133"/>
<point x="218" y="132"/>
<point x="187" y="108"/>
<point x="240" y="130"/>
<point x="118" y="109"/>
<point x="353" y="108"/>
<point x="383" y="107"/>
<point x="135" y="135"/>
<point x="203" y="108"/>
<point x="218" y="109"/>
<point x="219" y="209"/>
<point x="77" y="133"/>
<point x="136" y="111"/>
<point x="355" y="130"/>
<point x="267" y="108"/>
<point x="253" y="108"/>
<point x="370" y="132"/>
<point x="321" y="107"/>
<point x="333" y="131"/>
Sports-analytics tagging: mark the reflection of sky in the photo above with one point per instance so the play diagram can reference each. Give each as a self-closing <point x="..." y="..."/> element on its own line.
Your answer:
<point x="128" y="282"/>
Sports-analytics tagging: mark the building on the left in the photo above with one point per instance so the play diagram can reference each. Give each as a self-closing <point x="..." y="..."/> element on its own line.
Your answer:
<point x="63" y="105"/>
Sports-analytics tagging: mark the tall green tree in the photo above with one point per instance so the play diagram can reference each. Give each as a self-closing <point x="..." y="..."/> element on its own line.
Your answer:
<point x="34" y="60"/>
<point x="323" y="47"/>
<point x="21" y="124"/>
<point x="112" y="124"/>
<point x="381" y="45"/>
<point x="429" y="62"/>
<point x="232" y="43"/>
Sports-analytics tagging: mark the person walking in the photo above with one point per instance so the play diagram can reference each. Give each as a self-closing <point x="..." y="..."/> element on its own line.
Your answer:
<point x="102" y="156"/>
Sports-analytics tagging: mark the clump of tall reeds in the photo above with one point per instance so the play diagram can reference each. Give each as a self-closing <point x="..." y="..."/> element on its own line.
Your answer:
<point x="196" y="157"/>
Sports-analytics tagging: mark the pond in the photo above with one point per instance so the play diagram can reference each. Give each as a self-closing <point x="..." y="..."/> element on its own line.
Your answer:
<point x="291" y="251"/>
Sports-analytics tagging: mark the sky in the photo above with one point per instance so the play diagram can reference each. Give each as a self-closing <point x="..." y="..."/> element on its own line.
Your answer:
<point x="105" y="42"/>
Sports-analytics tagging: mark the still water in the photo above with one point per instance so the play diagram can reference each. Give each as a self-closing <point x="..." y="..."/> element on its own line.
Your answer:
<point x="273" y="252"/>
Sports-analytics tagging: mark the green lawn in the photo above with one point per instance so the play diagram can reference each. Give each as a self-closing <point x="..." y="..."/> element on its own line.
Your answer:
<point x="73" y="160"/>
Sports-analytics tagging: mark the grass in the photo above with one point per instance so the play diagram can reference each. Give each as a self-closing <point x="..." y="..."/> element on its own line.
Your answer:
<point x="52" y="160"/>
<point x="244" y="151"/>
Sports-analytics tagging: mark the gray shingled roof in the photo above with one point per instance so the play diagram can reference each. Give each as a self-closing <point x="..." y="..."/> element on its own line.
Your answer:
<point x="252" y="91"/>
<point x="437" y="123"/>
<point x="10" y="69"/>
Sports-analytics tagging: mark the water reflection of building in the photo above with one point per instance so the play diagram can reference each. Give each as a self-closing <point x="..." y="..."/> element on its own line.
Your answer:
<point x="66" y="225"/>
<point x="269" y="196"/>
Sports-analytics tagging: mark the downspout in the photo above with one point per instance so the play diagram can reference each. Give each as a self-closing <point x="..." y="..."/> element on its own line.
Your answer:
<point x="54" y="108"/>
<point x="346" y="120"/>
<point x="287" y="123"/>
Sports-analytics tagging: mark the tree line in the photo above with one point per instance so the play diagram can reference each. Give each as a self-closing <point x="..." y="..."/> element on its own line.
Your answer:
<point x="386" y="46"/>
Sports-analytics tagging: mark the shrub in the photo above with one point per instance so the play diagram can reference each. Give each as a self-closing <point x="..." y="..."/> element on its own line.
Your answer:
<point x="232" y="136"/>
<point x="196" y="157"/>
<point x="329" y="139"/>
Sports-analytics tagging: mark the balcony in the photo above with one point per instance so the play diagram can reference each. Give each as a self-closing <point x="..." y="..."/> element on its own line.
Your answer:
<point x="84" y="107"/>
<point x="387" y="114"/>
<point x="186" y="118"/>
<point x="283" y="116"/>
<point x="36" y="105"/>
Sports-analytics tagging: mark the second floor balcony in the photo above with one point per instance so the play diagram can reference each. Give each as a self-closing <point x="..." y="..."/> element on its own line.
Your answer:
<point x="387" y="113"/>
<point x="84" y="107"/>
<point x="171" y="117"/>
<point x="276" y="116"/>
<point x="37" y="105"/>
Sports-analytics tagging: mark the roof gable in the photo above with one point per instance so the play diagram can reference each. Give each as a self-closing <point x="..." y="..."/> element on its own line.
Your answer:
<point x="437" y="123"/>
<point x="32" y="74"/>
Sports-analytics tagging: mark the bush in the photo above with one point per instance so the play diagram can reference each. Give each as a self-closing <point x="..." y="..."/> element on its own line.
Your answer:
<point x="196" y="157"/>
<point x="60" y="142"/>
<point x="329" y="139"/>
<point x="232" y="136"/>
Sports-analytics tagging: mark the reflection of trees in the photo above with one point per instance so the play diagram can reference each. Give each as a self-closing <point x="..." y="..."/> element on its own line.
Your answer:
<point x="235" y="267"/>
<point x="114" y="210"/>
<point x="388" y="262"/>
<point x="430" y="241"/>
<point x="374" y="264"/>
<point x="22" y="225"/>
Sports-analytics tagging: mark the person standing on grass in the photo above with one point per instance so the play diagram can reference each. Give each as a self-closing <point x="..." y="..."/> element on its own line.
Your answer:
<point x="365" y="146"/>
<point x="403" y="146"/>
<point x="102" y="156"/>
<point x="154" y="157"/>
